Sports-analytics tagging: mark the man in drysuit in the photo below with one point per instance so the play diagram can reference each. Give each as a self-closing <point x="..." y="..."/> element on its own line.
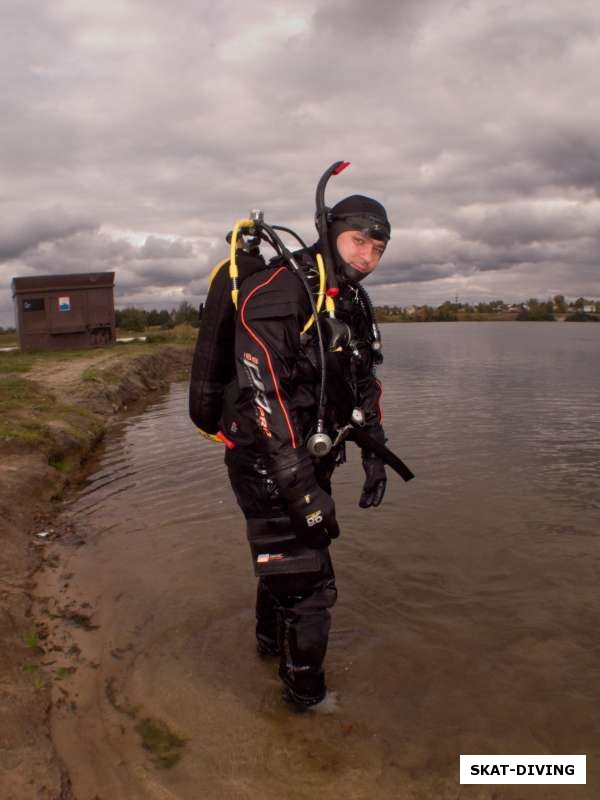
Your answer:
<point x="269" y="410"/>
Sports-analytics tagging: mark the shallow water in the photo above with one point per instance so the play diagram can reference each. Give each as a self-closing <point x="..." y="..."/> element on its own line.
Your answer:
<point x="467" y="619"/>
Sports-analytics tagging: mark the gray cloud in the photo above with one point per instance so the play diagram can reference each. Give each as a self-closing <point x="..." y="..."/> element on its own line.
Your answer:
<point x="154" y="247"/>
<point x="20" y="235"/>
<point x="132" y="137"/>
<point x="154" y="264"/>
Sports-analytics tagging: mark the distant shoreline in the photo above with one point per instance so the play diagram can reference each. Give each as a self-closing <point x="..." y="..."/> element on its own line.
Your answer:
<point x="501" y="317"/>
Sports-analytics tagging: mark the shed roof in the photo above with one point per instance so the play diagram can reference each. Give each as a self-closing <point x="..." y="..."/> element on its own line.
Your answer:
<point x="74" y="280"/>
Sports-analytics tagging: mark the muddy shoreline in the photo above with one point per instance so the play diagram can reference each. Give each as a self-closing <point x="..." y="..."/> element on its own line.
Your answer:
<point x="95" y="392"/>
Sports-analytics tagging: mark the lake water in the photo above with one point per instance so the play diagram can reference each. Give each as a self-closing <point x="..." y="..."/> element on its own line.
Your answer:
<point x="467" y="619"/>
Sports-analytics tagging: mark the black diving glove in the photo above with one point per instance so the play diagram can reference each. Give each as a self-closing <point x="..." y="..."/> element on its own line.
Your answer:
<point x="375" y="483"/>
<point x="311" y="509"/>
<point x="313" y="517"/>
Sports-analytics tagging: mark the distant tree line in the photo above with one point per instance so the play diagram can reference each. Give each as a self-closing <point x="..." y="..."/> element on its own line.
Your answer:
<point x="138" y="319"/>
<point x="533" y="309"/>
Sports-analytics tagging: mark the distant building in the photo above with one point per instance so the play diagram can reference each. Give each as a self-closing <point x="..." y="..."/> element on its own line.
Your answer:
<point x="55" y="312"/>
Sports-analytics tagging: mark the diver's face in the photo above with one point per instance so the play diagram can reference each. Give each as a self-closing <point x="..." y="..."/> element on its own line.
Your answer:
<point x="359" y="251"/>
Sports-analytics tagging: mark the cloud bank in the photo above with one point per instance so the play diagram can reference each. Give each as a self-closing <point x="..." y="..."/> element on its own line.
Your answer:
<point x="134" y="135"/>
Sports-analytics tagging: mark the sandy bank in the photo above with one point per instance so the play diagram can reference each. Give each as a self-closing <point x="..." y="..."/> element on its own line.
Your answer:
<point x="54" y="415"/>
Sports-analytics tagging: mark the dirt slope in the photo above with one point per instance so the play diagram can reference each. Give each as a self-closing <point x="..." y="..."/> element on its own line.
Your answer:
<point x="81" y="398"/>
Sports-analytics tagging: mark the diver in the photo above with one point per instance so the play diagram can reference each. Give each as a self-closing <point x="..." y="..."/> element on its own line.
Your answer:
<point x="268" y="399"/>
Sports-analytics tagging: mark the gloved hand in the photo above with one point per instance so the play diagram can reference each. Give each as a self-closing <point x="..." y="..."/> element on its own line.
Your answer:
<point x="313" y="517"/>
<point x="311" y="509"/>
<point x="375" y="483"/>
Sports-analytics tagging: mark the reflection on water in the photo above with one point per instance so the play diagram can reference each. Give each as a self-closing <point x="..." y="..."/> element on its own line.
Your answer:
<point x="468" y="613"/>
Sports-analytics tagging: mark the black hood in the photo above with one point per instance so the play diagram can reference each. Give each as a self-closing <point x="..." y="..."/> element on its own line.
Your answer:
<point x="356" y="212"/>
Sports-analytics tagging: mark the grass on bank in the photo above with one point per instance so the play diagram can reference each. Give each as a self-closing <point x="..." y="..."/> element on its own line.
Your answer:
<point x="23" y="408"/>
<point x="8" y="339"/>
<point x="183" y="333"/>
<point x="28" y="413"/>
<point x="15" y="361"/>
<point x="31" y="416"/>
<point x="180" y="334"/>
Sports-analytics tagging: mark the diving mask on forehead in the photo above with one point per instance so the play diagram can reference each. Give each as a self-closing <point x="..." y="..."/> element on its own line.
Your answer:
<point x="368" y="225"/>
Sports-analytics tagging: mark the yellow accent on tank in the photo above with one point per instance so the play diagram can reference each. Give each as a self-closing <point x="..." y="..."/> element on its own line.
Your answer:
<point x="214" y="270"/>
<point x="321" y="294"/>
<point x="233" y="268"/>
<point x="206" y="435"/>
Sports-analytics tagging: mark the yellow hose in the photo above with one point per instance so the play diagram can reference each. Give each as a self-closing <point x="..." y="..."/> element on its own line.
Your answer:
<point x="233" y="269"/>
<point x="321" y="294"/>
<point x="208" y="435"/>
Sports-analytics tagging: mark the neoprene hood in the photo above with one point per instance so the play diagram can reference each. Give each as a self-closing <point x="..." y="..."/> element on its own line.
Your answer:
<point x="356" y="213"/>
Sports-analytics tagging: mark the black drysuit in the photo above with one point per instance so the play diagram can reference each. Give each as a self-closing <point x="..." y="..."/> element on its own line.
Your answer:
<point x="269" y="411"/>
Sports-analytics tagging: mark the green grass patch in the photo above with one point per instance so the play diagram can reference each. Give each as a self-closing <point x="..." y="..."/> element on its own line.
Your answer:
<point x="164" y="745"/>
<point x="180" y="334"/>
<point x="59" y="356"/>
<point x="95" y="375"/>
<point x="91" y="375"/>
<point x="27" y="413"/>
<point x="15" y="362"/>
<point x="60" y="464"/>
<point x="26" y="431"/>
<point x="82" y="423"/>
<point x="31" y="639"/>
<point x="37" y="675"/>
<point x="64" y="672"/>
<point x="23" y="406"/>
<point x="8" y="338"/>
<point x="75" y="414"/>
<point x="15" y="392"/>
<point x="30" y="414"/>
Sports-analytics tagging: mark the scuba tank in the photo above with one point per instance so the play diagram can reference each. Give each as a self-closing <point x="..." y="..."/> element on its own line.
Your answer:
<point x="213" y="365"/>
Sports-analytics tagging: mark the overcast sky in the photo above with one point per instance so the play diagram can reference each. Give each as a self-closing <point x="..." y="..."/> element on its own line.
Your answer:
<point x="134" y="132"/>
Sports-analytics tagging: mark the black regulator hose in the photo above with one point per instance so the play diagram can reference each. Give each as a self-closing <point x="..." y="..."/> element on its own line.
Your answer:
<point x="319" y="443"/>
<point x="297" y="270"/>
<point x="368" y="307"/>
<point x="291" y="232"/>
